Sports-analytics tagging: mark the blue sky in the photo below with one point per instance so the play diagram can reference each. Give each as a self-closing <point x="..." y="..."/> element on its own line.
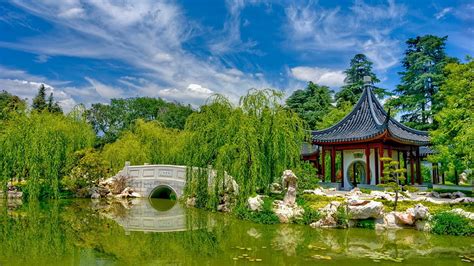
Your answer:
<point x="91" y="51"/>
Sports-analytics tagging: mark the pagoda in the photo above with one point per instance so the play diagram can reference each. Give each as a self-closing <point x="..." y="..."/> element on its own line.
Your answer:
<point x="361" y="138"/>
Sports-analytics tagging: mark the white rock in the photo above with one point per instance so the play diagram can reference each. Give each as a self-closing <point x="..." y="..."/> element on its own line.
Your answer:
<point x="95" y="195"/>
<point x="286" y="213"/>
<point x="419" y="212"/>
<point x="464" y="213"/>
<point x="127" y="190"/>
<point x="135" y="195"/>
<point x="255" y="203"/>
<point x="381" y="195"/>
<point x="365" y="209"/>
<point x="191" y="202"/>
<point x="328" y="212"/>
<point x="458" y="194"/>
<point x="463" y="200"/>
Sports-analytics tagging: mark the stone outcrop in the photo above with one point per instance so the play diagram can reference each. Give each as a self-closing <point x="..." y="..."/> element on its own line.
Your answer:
<point x="289" y="180"/>
<point x="316" y="191"/>
<point x="416" y="217"/>
<point x="286" y="213"/>
<point x="464" y="213"/>
<point x="255" y="203"/>
<point x="328" y="214"/>
<point x="364" y="209"/>
<point x="381" y="195"/>
<point x="419" y="212"/>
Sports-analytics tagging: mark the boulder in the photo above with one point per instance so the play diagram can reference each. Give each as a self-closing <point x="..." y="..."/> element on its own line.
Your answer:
<point x="364" y="209"/>
<point x="389" y="221"/>
<point x="286" y="213"/>
<point x="255" y="203"/>
<point x="381" y="195"/>
<point x="135" y="195"/>
<point x="419" y="212"/>
<point x="327" y="212"/>
<point x="223" y="207"/>
<point x="127" y="190"/>
<point x="289" y="181"/>
<point x="457" y="194"/>
<point x="95" y="195"/>
<point x="404" y="218"/>
<point x="445" y="195"/>
<point x="191" y="202"/>
<point x="463" y="200"/>
<point x="469" y="215"/>
<point x="435" y="194"/>
<point x="316" y="191"/>
<point x="422" y="225"/>
<point x="355" y="192"/>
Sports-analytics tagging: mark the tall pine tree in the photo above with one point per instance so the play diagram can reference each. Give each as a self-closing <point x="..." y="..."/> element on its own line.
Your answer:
<point x="53" y="107"/>
<point x="39" y="102"/>
<point x="424" y="61"/>
<point x="359" y="67"/>
<point x="311" y="104"/>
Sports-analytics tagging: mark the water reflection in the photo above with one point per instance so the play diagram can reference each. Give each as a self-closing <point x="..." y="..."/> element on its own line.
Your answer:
<point x="143" y="232"/>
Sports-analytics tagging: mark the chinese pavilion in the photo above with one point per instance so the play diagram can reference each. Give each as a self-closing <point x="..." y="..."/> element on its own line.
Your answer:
<point x="360" y="139"/>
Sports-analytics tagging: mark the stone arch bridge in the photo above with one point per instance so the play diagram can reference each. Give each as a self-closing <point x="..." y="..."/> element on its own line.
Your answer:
<point x="147" y="179"/>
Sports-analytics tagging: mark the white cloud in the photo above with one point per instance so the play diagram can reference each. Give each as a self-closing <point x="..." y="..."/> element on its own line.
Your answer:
<point x="441" y="14"/>
<point x="147" y="35"/>
<point x="321" y="76"/>
<point x="365" y="28"/>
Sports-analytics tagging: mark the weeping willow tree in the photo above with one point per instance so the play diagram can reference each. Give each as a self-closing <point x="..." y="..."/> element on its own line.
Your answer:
<point x="253" y="142"/>
<point x="146" y="142"/>
<point x="36" y="148"/>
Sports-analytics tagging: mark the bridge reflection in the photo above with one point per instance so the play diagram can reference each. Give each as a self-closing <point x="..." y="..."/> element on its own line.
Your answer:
<point x="152" y="215"/>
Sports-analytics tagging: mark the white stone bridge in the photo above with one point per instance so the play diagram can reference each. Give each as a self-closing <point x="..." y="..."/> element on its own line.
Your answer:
<point x="155" y="180"/>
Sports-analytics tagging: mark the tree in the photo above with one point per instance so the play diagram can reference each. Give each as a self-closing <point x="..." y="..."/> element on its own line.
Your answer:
<point x="454" y="137"/>
<point x="335" y="115"/>
<point x="424" y="61"/>
<point x="10" y="103"/>
<point x="52" y="106"/>
<point x="311" y="104"/>
<point x="359" y="67"/>
<point x="393" y="177"/>
<point x="39" y="102"/>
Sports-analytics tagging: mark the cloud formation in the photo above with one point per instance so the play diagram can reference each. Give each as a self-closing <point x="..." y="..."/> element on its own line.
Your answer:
<point x="321" y="76"/>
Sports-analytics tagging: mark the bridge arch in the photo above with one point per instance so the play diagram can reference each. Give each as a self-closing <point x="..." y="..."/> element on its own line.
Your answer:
<point x="163" y="192"/>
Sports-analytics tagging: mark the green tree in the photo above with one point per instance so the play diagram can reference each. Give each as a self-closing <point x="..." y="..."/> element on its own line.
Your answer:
<point x="335" y="115"/>
<point x="424" y="61"/>
<point x="53" y="106"/>
<point x="39" y="102"/>
<point x="311" y="104"/>
<point x="10" y="104"/>
<point x="359" y="67"/>
<point x="393" y="177"/>
<point x="454" y="137"/>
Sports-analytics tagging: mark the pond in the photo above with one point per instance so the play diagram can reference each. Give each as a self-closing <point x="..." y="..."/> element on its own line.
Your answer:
<point x="161" y="232"/>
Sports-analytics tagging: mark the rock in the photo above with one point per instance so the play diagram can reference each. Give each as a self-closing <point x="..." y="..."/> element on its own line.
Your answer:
<point x="364" y="209"/>
<point x="316" y="191"/>
<point x="223" y="208"/>
<point x="95" y="195"/>
<point x="355" y="192"/>
<point x="275" y="188"/>
<point x="458" y="194"/>
<point x="404" y="218"/>
<point x="135" y="195"/>
<point x="286" y="213"/>
<point x="422" y="225"/>
<point x="381" y="195"/>
<point x="389" y="221"/>
<point x="464" y="213"/>
<point x="463" y="200"/>
<point x="463" y="179"/>
<point x="255" y="203"/>
<point x="445" y="195"/>
<point x="328" y="212"/>
<point x="191" y="202"/>
<point x="435" y="194"/>
<point x="408" y="194"/>
<point x="14" y="194"/>
<point x="127" y="190"/>
<point x="419" y="212"/>
<point x="289" y="180"/>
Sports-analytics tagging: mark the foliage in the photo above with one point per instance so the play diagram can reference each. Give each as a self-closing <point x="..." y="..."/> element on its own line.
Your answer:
<point x="411" y="189"/>
<point x="37" y="148"/>
<point x="253" y="142"/>
<point x="359" y="67"/>
<point x="265" y="216"/>
<point x="10" y="104"/>
<point x="311" y="104"/>
<point x="366" y="223"/>
<point x="448" y="223"/>
<point x="86" y="168"/>
<point x="310" y="214"/>
<point x="342" y="216"/>
<point x="306" y="174"/>
<point x="393" y="177"/>
<point x="146" y="142"/>
<point x="110" y="120"/>
<point x="423" y="64"/>
<point x="335" y="115"/>
<point x="39" y="101"/>
<point x="454" y="137"/>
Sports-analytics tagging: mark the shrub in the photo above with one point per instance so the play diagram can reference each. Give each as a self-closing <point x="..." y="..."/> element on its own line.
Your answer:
<point x="366" y="223"/>
<point x="265" y="216"/>
<point x="365" y="190"/>
<point x="310" y="215"/>
<point x="448" y="223"/>
<point x="411" y="189"/>
<point x="342" y="217"/>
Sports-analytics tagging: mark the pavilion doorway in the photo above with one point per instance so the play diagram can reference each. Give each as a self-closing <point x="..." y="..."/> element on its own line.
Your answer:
<point x="356" y="173"/>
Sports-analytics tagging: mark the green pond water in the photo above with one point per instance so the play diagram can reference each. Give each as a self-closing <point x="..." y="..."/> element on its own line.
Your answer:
<point x="161" y="232"/>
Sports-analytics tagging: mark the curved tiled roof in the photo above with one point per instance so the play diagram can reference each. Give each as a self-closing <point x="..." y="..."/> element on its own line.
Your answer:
<point x="368" y="120"/>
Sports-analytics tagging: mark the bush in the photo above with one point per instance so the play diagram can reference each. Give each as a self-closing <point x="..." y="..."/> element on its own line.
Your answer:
<point x="310" y="215"/>
<point x="448" y="223"/>
<point x="342" y="217"/>
<point x="366" y="223"/>
<point x="265" y="216"/>
<point x="411" y="189"/>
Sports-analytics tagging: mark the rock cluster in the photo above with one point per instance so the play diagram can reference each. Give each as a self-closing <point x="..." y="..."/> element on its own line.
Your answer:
<point x="417" y="217"/>
<point x="328" y="214"/>
<point x="285" y="212"/>
<point x="364" y="209"/>
<point x="255" y="203"/>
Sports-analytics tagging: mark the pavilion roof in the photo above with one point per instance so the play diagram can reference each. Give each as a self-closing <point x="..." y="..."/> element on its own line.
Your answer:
<point x="368" y="120"/>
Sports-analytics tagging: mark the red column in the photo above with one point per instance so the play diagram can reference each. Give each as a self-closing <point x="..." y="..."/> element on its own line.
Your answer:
<point x="367" y="163"/>
<point x="323" y="164"/>
<point x="333" y="164"/>
<point x="405" y="164"/>
<point x="342" y="168"/>
<point x="376" y="171"/>
<point x="381" y="163"/>
<point x="433" y="174"/>
<point x="412" y="168"/>
<point x="418" y="167"/>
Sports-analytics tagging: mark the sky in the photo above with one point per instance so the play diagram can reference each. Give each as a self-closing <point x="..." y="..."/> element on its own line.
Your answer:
<point x="90" y="51"/>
